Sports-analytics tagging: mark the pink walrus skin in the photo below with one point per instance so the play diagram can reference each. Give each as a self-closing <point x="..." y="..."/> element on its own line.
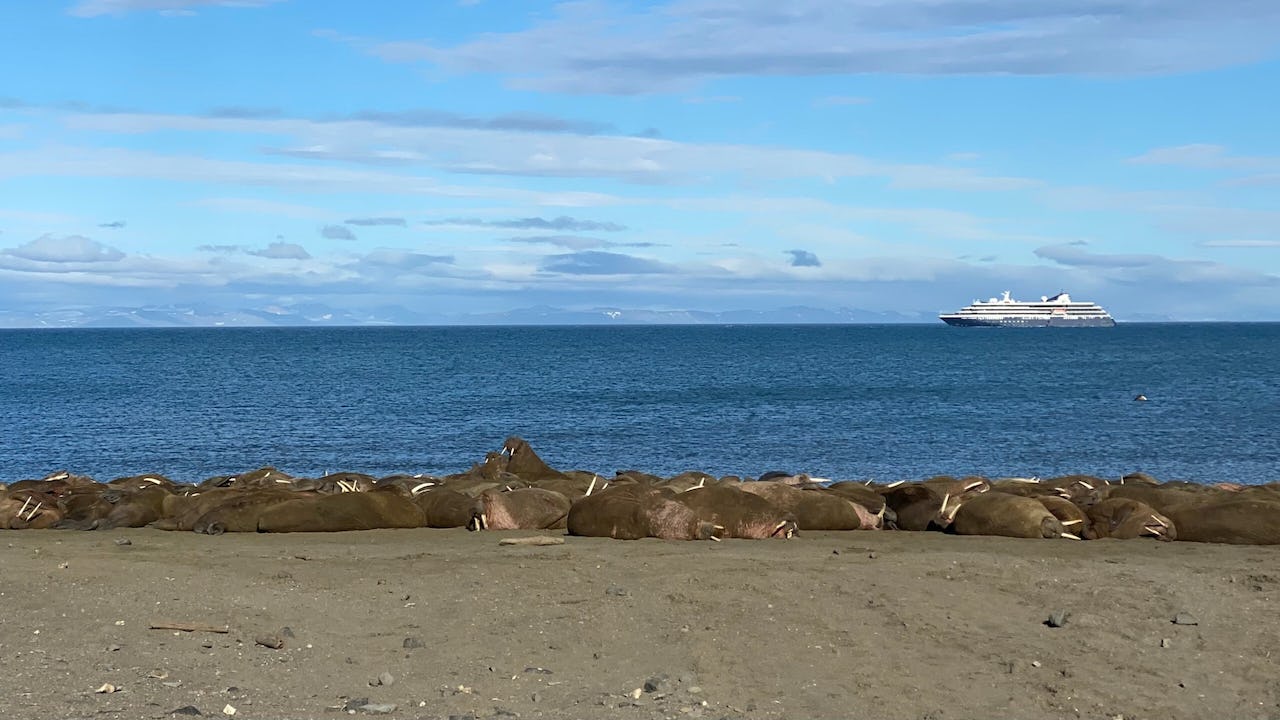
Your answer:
<point x="634" y="511"/>
<point x="519" y="509"/>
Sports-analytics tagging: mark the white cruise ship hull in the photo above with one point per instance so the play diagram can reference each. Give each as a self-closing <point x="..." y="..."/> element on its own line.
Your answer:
<point x="958" y="321"/>
<point x="1057" y="311"/>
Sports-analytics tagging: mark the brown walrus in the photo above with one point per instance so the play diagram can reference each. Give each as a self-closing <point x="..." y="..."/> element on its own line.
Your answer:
<point x="524" y="462"/>
<point x="387" y="507"/>
<point x="994" y="513"/>
<point x="814" y="509"/>
<point x="741" y="514"/>
<point x="1126" y="519"/>
<point x="28" y="511"/>
<point x="181" y="512"/>
<point x="631" y="511"/>
<point x="1070" y="515"/>
<point x="113" y="507"/>
<point x="519" y="509"/>
<point x="915" y="506"/>
<point x="445" y="508"/>
<point x="1233" y="519"/>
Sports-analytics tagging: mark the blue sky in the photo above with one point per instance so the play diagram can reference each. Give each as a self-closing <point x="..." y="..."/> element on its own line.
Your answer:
<point x="478" y="156"/>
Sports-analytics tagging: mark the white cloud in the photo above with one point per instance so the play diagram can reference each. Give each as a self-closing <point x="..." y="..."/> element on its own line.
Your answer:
<point x="72" y="161"/>
<point x="604" y="47"/>
<point x="65" y="249"/>
<point x="841" y="101"/>
<point x="552" y="154"/>
<point x="1204" y="156"/>
<point x="1241" y="243"/>
<point x="258" y="206"/>
<point x="283" y="251"/>
<point x="95" y="8"/>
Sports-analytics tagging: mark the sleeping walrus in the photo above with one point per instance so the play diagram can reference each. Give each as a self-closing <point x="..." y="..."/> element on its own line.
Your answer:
<point x="631" y="511"/>
<point x="994" y="513"/>
<point x="386" y="507"/>
<point x="1126" y="519"/>
<point x="519" y="509"/>
<point x="741" y="514"/>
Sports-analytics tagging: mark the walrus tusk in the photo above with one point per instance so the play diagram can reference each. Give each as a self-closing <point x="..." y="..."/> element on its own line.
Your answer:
<point x="1162" y="523"/>
<point x="1069" y="536"/>
<point x="1072" y="522"/>
<point x="592" y="486"/>
<point x="282" y="481"/>
<point x="972" y="485"/>
<point x="24" y="506"/>
<point x="484" y="522"/>
<point x="713" y="537"/>
<point x="1085" y="484"/>
<point x="151" y="480"/>
<point x="421" y="488"/>
<point x="34" y="511"/>
<point x="895" y="484"/>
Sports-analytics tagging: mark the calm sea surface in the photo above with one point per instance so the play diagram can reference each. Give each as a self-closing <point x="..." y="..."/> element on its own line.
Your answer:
<point x="884" y="402"/>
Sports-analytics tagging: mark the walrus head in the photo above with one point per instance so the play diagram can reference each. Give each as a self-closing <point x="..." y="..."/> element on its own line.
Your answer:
<point x="710" y="531"/>
<point x="786" y="529"/>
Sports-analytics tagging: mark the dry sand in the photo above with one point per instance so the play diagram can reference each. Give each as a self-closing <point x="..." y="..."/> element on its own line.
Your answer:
<point x="829" y="625"/>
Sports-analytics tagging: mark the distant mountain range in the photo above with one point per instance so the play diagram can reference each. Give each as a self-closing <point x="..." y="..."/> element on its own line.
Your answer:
<point x="321" y="315"/>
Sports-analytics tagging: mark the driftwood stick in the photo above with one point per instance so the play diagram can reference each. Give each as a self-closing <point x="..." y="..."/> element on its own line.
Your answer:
<point x="188" y="627"/>
<point x="535" y="540"/>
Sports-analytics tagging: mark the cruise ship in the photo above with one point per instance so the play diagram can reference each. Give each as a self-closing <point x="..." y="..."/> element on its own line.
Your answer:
<point x="1057" y="311"/>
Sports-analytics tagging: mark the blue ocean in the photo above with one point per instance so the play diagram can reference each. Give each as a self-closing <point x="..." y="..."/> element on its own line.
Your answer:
<point x="841" y="402"/>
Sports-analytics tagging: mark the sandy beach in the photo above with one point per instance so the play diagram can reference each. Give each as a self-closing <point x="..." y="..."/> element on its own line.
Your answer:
<point x="446" y="623"/>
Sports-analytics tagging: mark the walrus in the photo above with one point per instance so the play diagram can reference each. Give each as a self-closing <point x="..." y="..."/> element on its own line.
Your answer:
<point x="51" y="486"/>
<point x="630" y="511"/>
<point x="1163" y="499"/>
<point x="1083" y="490"/>
<point x="83" y="506"/>
<point x="1126" y="519"/>
<point x="524" y="462"/>
<point x="388" y="507"/>
<point x="445" y="508"/>
<point x="859" y="493"/>
<point x="741" y="514"/>
<point x="574" y="485"/>
<point x="815" y="509"/>
<point x="1233" y="519"/>
<point x="993" y="513"/>
<point x="915" y="507"/>
<point x="519" y="509"/>
<point x="28" y="511"/>
<point x="113" y="507"/>
<point x="688" y="480"/>
<point x="181" y="512"/>
<point x="1070" y="515"/>
<point x="957" y="487"/>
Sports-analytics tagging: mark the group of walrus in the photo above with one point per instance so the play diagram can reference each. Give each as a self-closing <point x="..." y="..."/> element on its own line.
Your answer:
<point x="513" y="489"/>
